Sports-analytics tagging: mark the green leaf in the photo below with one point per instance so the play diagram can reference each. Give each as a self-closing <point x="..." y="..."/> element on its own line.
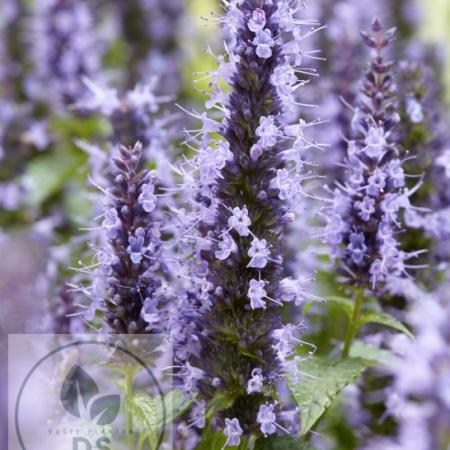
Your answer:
<point x="76" y="203"/>
<point x="213" y="441"/>
<point x="145" y="415"/>
<point x="345" y="303"/>
<point x="175" y="405"/>
<point x="221" y="401"/>
<point x="282" y="443"/>
<point x="370" y="353"/>
<point x="47" y="174"/>
<point x="322" y="382"/>
<point x="308" y="307"/>
<point x="216" y="441"/>
<point x="65" y="129"/>
<point x="148" y="412"/>
<point x="384" y="319"/>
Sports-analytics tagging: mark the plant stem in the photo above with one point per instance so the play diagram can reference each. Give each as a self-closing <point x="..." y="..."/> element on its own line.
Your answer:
<point x="243" y="445"/>
<point x="353" y="324"/>
<point x="129" y="377"/>
<point x="141" y="442"/>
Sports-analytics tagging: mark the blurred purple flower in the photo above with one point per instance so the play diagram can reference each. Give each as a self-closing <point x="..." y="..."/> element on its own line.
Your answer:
<point x="136" y="116"/>
<point x="419" y="395"/>
<point x="66" y="47"/>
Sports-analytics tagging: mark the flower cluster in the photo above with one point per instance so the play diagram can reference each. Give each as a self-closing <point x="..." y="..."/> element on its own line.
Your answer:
<point x="424" y="130"/>
<point x="245" y="184"/>
<point x="128" y="284"/>
<point x="364" y="218"/>
<point x="135" y="209"/>
<point x="65" y="48"/>
<point x="419" y="396"/>
<point x="338" y="82"/>
<point x="134" y="117"/>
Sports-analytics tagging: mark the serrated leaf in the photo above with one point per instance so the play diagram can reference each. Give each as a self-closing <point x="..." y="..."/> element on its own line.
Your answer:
<point x="78" y="388"/>
<point x="344" y="303"/>
<point x="282" y="443"/>
<point x="322" y="382"/>
<point x="384" y="319"/>
<point x="104" y="410"/>
<point x="145" y="413"/>
<point x="371" y="353"/>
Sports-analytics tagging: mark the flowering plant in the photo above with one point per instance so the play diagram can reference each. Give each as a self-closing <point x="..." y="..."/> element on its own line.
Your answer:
<point x="289" y="235"/>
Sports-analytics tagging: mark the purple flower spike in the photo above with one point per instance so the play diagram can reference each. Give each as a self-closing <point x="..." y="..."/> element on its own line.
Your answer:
<point x="246" y="178"/>
<point x="128" y="285"/>
<point x="365" y="215"/>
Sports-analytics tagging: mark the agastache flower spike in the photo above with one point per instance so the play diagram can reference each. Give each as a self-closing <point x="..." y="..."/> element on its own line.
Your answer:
<point x="129" y="285"/>
<point x="338" y="83"/>
<point x="245" y="185"/>
<point x="364" y="218"/>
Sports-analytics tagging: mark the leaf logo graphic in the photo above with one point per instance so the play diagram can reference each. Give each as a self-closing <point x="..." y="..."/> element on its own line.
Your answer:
<point x="80" y="394"/>
<point x="105" y="409"/>
<point x="77" y="390"/>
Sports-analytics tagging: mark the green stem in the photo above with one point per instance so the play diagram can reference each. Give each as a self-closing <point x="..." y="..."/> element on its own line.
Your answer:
<point x="243" y="445"/>
<point x="141" y="443"/>
<point x="129" y="377"/>
<point x="353" y="324"/>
